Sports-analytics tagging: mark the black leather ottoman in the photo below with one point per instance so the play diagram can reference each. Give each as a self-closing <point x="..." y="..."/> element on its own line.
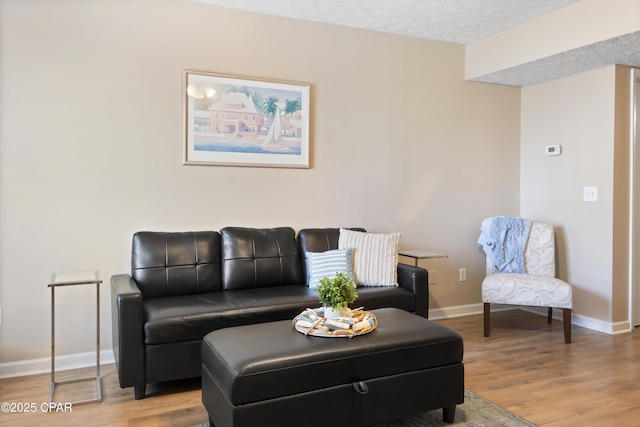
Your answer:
<point x="271" y="375"/>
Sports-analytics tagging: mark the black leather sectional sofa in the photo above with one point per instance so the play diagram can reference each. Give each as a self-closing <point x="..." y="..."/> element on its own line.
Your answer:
<point x="185" y="285"/>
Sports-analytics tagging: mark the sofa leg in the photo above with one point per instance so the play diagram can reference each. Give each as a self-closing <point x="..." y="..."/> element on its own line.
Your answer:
<point x="139" y="391"/>
<point x="549" y="314"/>
<point x="487" y="320"/>
<point x="566" y="320"/>
<point x="449" y="414"/>
<point x="211" y="423"/>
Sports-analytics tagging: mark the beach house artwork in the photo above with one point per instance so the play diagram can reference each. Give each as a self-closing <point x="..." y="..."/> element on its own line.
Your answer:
<point x="232" y="121"/>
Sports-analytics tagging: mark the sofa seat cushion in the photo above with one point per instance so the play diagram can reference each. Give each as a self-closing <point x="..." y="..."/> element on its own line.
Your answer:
<point x="189" y="317"/>
<point x="526" y="289"/>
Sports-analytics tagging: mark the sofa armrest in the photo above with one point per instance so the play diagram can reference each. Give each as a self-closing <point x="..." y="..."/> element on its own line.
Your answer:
<point x="416" y="279"/>
<point x="127" y="330"/>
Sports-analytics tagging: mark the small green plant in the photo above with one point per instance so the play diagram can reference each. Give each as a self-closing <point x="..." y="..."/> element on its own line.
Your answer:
<point x="337" y="292"/>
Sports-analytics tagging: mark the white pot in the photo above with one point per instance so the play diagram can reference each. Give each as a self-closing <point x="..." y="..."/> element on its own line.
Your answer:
<point x="330" y="313"/>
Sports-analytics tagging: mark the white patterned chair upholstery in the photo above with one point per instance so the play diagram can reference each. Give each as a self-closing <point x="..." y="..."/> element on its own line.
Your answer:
<point x="537" y="287"/>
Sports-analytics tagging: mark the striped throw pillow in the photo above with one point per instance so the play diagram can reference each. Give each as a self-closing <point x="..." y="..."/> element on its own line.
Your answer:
<point x="375" y="256"/>
<point x="327" y="264"/>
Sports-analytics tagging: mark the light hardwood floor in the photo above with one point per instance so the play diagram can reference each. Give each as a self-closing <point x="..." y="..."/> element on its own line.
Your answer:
<point x="524" y="366"/>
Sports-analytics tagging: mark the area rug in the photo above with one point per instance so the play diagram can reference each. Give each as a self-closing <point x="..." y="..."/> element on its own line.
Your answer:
<point x="476" y="411"/>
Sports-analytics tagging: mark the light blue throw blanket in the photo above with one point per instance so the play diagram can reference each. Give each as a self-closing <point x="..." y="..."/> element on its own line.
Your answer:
<point x="504" y="239"/>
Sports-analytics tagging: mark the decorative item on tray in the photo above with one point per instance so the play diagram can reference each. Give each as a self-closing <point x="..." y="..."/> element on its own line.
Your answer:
<point x="335" y="293"/>
<point x="356" y="322"/>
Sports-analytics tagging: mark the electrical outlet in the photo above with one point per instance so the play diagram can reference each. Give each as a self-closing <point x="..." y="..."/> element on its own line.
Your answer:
<point x="433" y="277"/>
<point x="462" y="274"/>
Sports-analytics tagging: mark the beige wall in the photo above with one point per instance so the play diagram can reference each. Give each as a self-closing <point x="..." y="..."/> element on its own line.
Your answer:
<point x="91" y="147"/>
<point x="587" y="114"/>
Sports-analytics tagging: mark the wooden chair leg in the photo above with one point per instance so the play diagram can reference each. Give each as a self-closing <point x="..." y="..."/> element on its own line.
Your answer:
<point x="549" y="314"/>
<point x="566" y="319"/>
<point x="487" y="320"/>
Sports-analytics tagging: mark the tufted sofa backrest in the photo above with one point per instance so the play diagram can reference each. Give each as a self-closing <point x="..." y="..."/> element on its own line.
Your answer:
<point x="169" y="264"/>
<point x="259" y="258"/>
<point x="318" y="240"/>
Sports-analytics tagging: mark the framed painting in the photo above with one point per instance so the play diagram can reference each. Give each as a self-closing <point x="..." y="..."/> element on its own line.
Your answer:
<point x="240" y="121"/>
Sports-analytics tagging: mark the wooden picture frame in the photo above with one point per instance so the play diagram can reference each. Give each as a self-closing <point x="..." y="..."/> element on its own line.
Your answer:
<point x="240" y="121"/>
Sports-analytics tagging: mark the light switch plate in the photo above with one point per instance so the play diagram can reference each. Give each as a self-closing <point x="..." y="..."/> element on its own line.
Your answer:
<point x="590" y="194"/>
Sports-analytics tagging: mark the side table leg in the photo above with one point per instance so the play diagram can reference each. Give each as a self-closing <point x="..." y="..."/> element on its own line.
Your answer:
<point x="98" y="386"/>
<point x="53" y="343"/>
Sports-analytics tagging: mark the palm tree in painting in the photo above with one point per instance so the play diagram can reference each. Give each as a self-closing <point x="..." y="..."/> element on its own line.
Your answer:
<point x="291" y="106"/>
<point x="271" y="105"/>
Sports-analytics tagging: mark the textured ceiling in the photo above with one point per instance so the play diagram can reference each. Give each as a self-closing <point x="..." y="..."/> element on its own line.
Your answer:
<point x="624" y="50"/>
<point x="455" y="21"/>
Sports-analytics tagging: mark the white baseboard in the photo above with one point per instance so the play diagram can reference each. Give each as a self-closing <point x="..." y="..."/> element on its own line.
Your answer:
<point x="611" y="328"/>
<point x="456" y="311"/>
<point x="63" y="363"/>
<point x="464" y="310"/>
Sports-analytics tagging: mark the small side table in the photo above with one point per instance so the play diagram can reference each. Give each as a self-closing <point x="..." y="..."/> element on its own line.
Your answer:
<point x="70" y="279"/>
<point x="418" y="255"/>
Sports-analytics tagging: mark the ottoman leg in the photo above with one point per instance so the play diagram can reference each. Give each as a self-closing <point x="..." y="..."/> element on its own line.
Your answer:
<point x="139" y="391"/>
<point x="449" y="414"/>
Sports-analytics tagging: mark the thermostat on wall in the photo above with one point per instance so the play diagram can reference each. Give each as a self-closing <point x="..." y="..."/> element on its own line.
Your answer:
<point x="553" y="150"/>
